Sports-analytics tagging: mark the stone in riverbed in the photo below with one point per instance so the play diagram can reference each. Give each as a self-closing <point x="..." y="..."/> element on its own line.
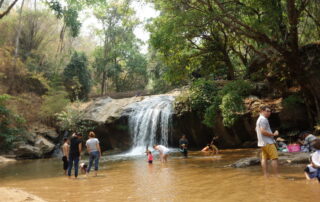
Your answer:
<point x="284" y="158"/>
<point x="246" y="162"/>
<point x="294" y="158"/>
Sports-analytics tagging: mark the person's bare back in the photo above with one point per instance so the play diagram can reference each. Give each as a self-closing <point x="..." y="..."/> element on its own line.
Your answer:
<point x="65" y="149"/>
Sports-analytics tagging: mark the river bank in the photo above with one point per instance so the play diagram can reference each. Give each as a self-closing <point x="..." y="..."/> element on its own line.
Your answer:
<point x="17" y="195"/>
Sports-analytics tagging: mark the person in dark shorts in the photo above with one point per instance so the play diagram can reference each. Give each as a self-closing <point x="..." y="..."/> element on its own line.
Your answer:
<point x="65" y="151"/>
<point x="74" y="153"/>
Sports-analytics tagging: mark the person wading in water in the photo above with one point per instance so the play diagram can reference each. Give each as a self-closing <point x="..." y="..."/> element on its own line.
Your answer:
<point x="183" y="144"/>
<point x="211" y="147"/>
<point x="65" y="151"/>
<point x="94" y="151"/>
<point x="164" y="152"/>
<point x="266" y="141"/>
<point x="74" y="154"/>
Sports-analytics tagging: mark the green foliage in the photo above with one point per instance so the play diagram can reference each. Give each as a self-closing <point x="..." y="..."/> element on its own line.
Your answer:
<point x="119" y="60"/>
<point x="69" y="15"/>
<point x="11" y="125"/>
<point x="202" y="94"/>
<point x="71" y="119"/>
<point x="54" y="101"/>
<point x="229" y="102"/>
<point x="231" y="106"/>
<point x="77" y="79"/>
<point x="292" y="101"/>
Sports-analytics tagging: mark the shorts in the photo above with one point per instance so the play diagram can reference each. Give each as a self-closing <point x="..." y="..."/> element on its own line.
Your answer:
<point x="269" y="152"/>
<point x="65" y="163"/>
<point x="150" y="161"/>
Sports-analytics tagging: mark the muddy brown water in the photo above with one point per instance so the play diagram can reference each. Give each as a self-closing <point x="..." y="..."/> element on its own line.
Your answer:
<point x="197" y="178"/>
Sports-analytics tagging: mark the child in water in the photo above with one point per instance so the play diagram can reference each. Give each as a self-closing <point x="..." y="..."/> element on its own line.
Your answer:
<point x="150" y="157"/>
<point x="83" y="168"/>
<point x="313" y="170"/>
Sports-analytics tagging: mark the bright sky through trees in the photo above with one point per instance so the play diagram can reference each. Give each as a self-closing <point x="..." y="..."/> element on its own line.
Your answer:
<point x="144" y="12"/>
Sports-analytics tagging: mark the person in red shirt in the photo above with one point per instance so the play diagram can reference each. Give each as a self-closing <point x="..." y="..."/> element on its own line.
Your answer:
<point x="150" y="157"/>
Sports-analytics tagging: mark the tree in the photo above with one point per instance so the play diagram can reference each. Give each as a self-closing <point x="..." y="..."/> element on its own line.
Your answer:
<point x="77" y="79"/>
<point x="119" y="59"/>
<point x="8" y="9"/>
<point x="275" y="30"/>
<point x="11" y="124"/>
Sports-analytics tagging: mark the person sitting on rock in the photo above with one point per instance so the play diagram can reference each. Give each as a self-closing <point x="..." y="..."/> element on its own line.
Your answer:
<point x="306" y="140"/>
<point x="315" y="158"/>
<point x="281" y="145"/>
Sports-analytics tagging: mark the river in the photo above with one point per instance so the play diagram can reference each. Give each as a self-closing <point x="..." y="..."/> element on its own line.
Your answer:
<point x="197" y="178"/>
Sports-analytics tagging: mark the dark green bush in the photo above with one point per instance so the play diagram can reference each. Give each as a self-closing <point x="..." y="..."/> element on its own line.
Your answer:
<point x="11" y="125"/>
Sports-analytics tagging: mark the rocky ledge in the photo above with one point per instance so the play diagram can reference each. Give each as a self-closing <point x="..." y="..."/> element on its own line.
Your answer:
<point x="38" y="144"/>
<point x="284" y="159"/>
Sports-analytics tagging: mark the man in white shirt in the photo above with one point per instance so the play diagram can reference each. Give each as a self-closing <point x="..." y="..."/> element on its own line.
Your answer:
<point x="266" y="141"/>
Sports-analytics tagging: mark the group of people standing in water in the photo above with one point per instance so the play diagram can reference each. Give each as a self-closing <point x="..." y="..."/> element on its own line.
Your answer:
<point x="72" y="149"/>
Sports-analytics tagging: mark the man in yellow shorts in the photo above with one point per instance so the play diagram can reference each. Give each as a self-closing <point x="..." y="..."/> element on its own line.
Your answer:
<point x="267" y="142"/>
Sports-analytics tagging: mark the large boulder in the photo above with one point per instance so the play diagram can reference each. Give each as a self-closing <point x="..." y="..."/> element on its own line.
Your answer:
<point x="44" y="145"/>
<point x="44" y="131"/>
<point x="23" y="150"/>
<point x="39" y="142"/>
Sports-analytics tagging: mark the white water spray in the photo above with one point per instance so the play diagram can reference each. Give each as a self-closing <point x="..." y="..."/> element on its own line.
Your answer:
<point x="150" y="122"/>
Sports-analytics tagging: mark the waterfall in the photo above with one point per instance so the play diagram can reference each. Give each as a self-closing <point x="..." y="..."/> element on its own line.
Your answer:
<point x="150" y="122"/>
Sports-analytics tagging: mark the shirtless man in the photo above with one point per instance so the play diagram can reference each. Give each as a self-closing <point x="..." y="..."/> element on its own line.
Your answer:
<point x="65" y="151"/>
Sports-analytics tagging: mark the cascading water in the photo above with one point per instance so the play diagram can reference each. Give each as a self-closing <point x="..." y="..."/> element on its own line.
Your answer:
<point x="149" y="122"/>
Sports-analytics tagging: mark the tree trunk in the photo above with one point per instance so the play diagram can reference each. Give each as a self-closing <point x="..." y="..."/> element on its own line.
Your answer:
<point x="103" y="83"/>
<point x="13" y="73"/>
<point x="7" y="11"/>
<point x="230" y="74"/>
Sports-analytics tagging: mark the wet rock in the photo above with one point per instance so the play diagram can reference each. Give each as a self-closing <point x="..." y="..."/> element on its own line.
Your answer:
<point x="23" y="150"/>
<point x="43" y="130"/>
<point x="41" y="148"/>
<point x="284" y="158"/>
<point x="44" y="145"/>
<point x="294" y="158"/>
<point x="246" y="162"/>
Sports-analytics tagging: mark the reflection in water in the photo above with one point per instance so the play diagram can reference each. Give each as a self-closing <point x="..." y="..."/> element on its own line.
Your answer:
<point x="198" y="178"/>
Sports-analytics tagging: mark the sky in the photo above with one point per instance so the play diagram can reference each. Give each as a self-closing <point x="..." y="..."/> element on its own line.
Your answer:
<point x="144" y="11"/>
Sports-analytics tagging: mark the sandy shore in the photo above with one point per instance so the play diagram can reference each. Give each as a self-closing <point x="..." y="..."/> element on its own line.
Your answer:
<point x="16" y="195"/>
<point x="6" y="160"/>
